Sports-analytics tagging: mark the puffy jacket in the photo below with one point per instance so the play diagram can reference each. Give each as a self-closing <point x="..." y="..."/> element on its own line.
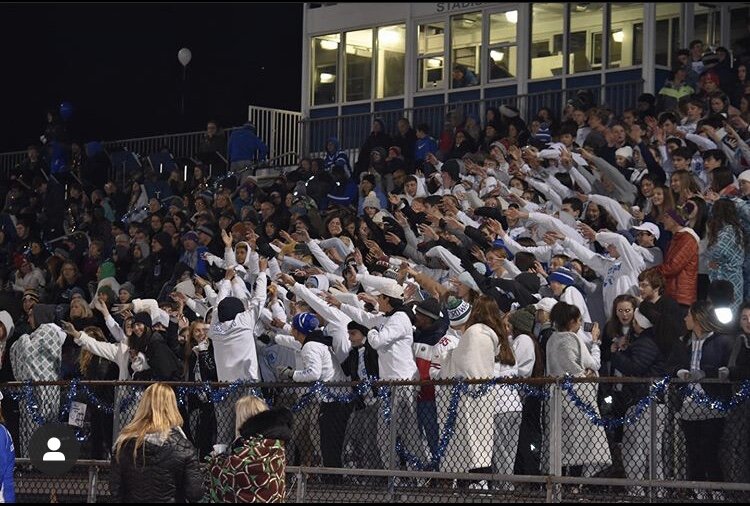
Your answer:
<point x="680" y="267"/>
<point x="255" y="469"/>
<point x="167" y="471"/>
<point x="642" y="359"/>
<point x="244" y="144"/>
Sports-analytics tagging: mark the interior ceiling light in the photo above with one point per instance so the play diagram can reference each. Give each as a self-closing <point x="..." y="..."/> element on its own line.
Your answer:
<point x="618" y="36"/>
<point x="325" y="77"/>
<point x="497" y="55"/>
<point x="329" y="45"/>
<point x="512" y="16"/>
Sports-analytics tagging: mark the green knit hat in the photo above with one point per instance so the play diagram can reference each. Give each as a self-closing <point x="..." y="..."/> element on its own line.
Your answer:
<point x="106" y="270"/>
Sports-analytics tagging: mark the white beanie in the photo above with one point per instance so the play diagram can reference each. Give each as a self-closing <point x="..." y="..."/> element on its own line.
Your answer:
<point x="744" y="176"/>
<point x="186" y="287"/>
<point x="625" y="151"/>
<point x="372" y="200"/>
<point x="7" y="321"/>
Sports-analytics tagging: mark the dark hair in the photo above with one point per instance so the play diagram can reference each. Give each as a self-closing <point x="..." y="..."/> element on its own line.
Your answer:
<point x="723" y="214"/>
<point x="667" y="116"/>
<point x="716" y="154"/>
<point x="721" y="177"/>
<point x="654" y="278"/>
<point x="614" y="327"/>
<point x="701" y="218"/>
<point x="575" y="203"/>
<point x="683" y="152"/>
<point x="524" y="260"/>
<point x="694" y="43"/>
<point x="424" y="127"/>
<point x="563" y="314"/>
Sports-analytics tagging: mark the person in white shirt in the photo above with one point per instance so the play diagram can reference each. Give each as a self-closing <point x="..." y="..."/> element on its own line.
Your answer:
<point x="319" y="364"/>
<point x="232" y="333"/>
<point x="392" y="336"/>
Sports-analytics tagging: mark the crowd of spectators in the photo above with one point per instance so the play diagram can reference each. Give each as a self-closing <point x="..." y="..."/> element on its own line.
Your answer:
<point x="593" y="242"/>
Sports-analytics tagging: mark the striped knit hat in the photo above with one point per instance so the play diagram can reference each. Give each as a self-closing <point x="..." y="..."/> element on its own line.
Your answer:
<point x="562" y="276"/>
<point x="458" y="311"/>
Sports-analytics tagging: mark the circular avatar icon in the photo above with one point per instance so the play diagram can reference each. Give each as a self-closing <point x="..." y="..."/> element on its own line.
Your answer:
<point x="54" y="449"/>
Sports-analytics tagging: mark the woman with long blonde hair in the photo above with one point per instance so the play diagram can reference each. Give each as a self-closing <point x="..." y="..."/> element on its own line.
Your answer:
<point x="153" y="460"/>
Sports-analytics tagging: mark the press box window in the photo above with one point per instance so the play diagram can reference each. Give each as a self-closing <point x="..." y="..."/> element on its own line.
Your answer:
<point x="358" y="64"/>
<point x="391" y="61"/>
<point x="325" y="59"/>
<point x="431" y="57"/>
<point x="466" y="41"/>
<point x="502" y="59"/>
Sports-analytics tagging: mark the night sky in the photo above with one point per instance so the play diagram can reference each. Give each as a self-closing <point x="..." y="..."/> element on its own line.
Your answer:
<point x="117" y="64"/>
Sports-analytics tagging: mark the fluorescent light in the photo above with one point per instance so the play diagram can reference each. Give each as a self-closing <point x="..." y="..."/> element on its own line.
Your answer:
<point x="618" y="36"/>
<point x="434" y="63"/>
<point x="325" y="77"/>
<point x="390" y="37"/>
<point x="497" y="55"/>
<point x="724" y="315"/>
<point x="329" y="45"/>
<point x="512" y="16"/>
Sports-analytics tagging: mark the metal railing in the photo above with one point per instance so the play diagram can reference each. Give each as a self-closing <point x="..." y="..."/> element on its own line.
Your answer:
<point x="281" y="132"/>
<point x="352" y="130"/>
<point x="536" y="440"/>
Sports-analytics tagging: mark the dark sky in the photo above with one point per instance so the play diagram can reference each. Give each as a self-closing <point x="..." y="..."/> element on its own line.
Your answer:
<point x="117" y="64"/>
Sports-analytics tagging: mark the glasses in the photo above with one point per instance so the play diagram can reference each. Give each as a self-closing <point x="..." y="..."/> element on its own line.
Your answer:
<point x="624" y="311"/>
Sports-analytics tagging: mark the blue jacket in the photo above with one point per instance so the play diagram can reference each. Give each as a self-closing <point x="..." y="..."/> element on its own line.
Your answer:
<point x="424" y="146"/>
<point x="244" y="144"/>
<point x="332" y="157"/>
<point x="341" y="195"/>
<point x="7" y="465"/>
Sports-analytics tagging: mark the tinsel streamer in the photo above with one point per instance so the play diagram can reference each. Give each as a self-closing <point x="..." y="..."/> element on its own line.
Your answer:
<point x="72" y="392"/>
<point x="415" y="462"/>
<point x="31" y="405"/>
<point x="656" y="391"/>
<point x="94" y="400"/>
<point x="722" y="406"/>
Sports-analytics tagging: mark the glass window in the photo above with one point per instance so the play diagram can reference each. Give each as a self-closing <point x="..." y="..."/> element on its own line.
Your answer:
<point x="667" y="33"/>
<point x="466" y="41"/>
<point x="546" y="30"/>
<point x="739" y="34"/>
<point x="626" y="34"/>
<point x="585" y="18"/>
<point x="358" y="64"/>
<point x="391" y="61"/>
<point x="706" y="25"/>
<point x="431" y="58"/>
<point x="325" y="59"/>
<point x="502" y="55"/>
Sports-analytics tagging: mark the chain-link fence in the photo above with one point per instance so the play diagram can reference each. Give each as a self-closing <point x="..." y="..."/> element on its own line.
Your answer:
<point x="538" y="440"/>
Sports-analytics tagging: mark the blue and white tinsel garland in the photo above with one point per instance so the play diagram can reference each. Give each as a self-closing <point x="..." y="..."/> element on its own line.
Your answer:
<point x="320" y="391"/>
<point x="702" y="399"/>
<point x="656" y="391"/>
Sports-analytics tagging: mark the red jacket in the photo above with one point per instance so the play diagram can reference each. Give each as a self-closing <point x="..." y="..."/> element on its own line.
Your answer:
<point x="680" y="267"/>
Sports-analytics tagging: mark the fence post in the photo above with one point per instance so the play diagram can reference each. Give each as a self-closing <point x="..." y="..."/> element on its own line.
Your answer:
<point x="272" y="137"/>
<point x="93" y="478"/>
<point x="652" y="449"/>
<point x="392" y="435"/>
<point x="301" y="482"/>
<point x="555" y="444"/>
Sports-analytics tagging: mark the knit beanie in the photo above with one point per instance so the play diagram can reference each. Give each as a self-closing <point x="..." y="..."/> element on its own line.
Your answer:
<point x="305" y="323"/>
<point x="625" y="151"/>
<point x="106" y="270"/>
<point x="128" y="287"/>
<point x="562" y="276"/>
<point x="458" y="311"/>
<point x="144" y="318"/>
<point x="32" y="294"/>
<point x="372" y="200"/>
<point x="107" y="290"/>
<point x="430" y="308"/>
<point x="522" y="320"/>
<point x="229" y="308"/>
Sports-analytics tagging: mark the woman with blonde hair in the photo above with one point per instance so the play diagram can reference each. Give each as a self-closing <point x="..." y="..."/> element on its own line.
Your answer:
<point x="153" y="460"/>
<point x="254" y="469"/>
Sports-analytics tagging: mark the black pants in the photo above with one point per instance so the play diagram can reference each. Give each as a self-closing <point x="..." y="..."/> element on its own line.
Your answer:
<point x="332" y="420"/>
<point x="204" y="437"/>
<point x="528" y="457"/>
<point x="702" y="439"/>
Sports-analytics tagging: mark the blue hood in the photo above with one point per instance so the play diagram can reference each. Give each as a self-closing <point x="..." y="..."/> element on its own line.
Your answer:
<point x="335" y="142"/>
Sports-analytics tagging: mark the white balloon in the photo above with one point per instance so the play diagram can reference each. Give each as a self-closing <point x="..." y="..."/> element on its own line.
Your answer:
<point x="184" y="56"/>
